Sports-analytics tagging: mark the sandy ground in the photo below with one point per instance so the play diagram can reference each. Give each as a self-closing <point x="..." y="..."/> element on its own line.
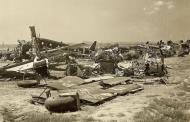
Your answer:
<point x="122" y="108"/>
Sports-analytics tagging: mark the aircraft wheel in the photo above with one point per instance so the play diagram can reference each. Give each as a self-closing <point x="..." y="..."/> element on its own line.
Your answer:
<point x="61" y="104"/>
<point x="27" y="83"/>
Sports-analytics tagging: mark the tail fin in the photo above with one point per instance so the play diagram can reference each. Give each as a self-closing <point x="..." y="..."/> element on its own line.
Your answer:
<point x="34" y="41"/>
<point x="33" y="31"/>
<point x="93" y="46"/>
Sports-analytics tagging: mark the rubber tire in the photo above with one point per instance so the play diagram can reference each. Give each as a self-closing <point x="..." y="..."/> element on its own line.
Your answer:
<point x="27" y="83"/>
<point x="61" y="104"/>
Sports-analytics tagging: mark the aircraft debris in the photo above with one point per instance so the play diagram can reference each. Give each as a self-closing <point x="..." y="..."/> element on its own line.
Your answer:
<point x="92" y="76"/>
<point x="115" y="81"/>
<point x="125" y="89"/>
<point x="27" y="83"/>
<point x="63" y="103"/>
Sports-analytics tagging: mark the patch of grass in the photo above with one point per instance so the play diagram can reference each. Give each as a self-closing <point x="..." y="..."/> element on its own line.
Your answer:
<point x="185" y="86"/>
<point x="42" y="117"/>
<point x="149" y="96"/>
<point x="180" y="94"/>
<point x="165" y="110"/>
<point x="49" y="118"/>
<point x="174" y="109"/>
<point x="89" y="119"/>
<point x="7" y="115"/>
<point x="101" y="115"/>
<point x="112" y="121"/>
<point x="120" y="115"/>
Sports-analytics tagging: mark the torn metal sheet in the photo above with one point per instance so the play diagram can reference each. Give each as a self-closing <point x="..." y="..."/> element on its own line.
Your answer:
<point x="151" y="80"/>
<point x="155" y="80"/>
<point x="89" y="86"/>
<point x="91" y="93"/>
<point x="115" y="81"/>
<point x="66" y="82"/>
<point x="125" y="89"/>
<point x="56" y="86"/>
<point x="94" y="95"/>
<point x="98" y="78"/>
<point x="70" y="81"/>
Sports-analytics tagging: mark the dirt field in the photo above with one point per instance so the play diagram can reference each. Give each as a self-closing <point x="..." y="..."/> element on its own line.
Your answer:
<point x="122" y="108"/>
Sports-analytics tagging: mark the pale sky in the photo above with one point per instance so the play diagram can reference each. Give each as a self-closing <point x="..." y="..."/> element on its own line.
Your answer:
<point x="101" y="20"/>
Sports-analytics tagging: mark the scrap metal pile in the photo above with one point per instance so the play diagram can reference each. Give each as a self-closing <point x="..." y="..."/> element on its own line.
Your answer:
<point x="89" y="75"/>
<point x="93" y="91"/>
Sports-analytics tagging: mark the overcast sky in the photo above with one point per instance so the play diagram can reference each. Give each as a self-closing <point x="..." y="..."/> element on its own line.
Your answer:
<point x="101" y="20"/>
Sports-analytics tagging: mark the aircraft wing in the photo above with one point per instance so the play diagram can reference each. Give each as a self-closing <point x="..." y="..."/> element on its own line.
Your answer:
<point x="80" y="45"/>
<point x="22" y="67"/>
